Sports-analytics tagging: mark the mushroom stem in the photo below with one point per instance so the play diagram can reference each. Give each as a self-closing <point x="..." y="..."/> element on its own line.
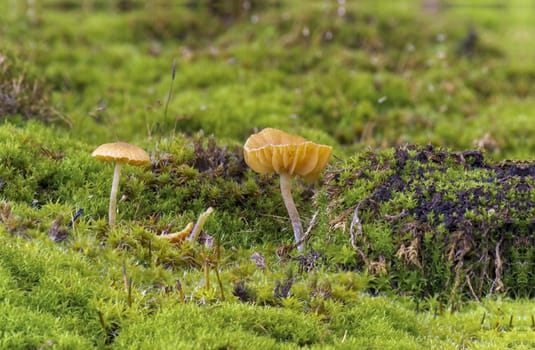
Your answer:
<point x="113" y="195"/>
<point x="286" y="191"/>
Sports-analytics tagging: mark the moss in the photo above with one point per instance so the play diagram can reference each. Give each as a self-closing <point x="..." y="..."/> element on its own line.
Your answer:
<point x="438" y="216"/>
<point x="23" y="94"/>
<point x="201" y="327"/>
<point x="396" y="76"/>
<point x="23" y="328"/>
<point x="435" y="229"/>
<point x="48" y="288"/>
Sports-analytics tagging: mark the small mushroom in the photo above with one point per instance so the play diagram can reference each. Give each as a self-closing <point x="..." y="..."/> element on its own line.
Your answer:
<point x="121" y="153"/>
<point x="180" y="235"/>
<point x="275" y="151"/>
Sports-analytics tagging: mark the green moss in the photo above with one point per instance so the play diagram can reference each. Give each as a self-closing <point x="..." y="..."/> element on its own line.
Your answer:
<point x="397" y="76"/>
<point x="23" y="94"/>
<point x="435" y="228"/>
<point x="435" y="216"/>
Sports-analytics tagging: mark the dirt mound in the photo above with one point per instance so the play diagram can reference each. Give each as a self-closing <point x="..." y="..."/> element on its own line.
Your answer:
<point x="460" y="225"/>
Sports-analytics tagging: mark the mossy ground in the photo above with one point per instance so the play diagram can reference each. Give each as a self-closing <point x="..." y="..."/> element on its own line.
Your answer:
<point x="413" y="247"/>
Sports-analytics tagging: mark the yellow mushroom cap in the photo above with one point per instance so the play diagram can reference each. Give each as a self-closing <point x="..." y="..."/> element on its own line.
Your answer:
<point x="121" y="152"/>
<point x="275" y="151"/>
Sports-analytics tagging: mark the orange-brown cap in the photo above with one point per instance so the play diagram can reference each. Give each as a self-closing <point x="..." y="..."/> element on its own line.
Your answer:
<point x="273" y="150"/>
<point x="121" y="152"/>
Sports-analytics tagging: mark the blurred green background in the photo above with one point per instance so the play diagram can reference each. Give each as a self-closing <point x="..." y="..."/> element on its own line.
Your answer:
<point x="353" y="74"/>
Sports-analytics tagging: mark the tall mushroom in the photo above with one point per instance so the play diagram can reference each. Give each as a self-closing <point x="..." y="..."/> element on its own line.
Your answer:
<point x="121" y="153"/>
<point x="275" y="151"/>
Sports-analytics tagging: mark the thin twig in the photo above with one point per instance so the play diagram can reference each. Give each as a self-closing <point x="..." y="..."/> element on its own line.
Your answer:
<point x="102" y="322"/>
<point x="397" y="216"/>
<point x="469" y="283"/>
<point x="194" y="235"/>
<point x="169" y="93"/>
<point x="150" y="253"/>
<point x="498" y="267"/>
<point x="355" y="221"/>
<point x="363" y="256"/>
<point x="130" y="291"/>
<point x="206" y="267"/>
<point x="125" y="276"/>
<point x="308" y="232"/>
<point x="76" y="216"/>
<point x="180" y="291"/>
<point x="216" y="270"/>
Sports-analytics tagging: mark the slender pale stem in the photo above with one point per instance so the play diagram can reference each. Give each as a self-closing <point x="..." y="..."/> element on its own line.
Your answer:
<point x="194" y="235"/>
<point x="286" y="191"/>
<point x="113" y="195"/>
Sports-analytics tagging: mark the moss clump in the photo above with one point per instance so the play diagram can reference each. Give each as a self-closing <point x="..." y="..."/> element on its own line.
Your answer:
<point x="45" y="299"/>
<point x="23" y="94"/>
<point x="223" y="326"/>
<point x="430" y="228"/>
<point x="431" y="222"/>
<point x="40" y="166"/>
<point x="75" y="282"/>
<point x="439" y="223"/>
<point x="190" y="175"/>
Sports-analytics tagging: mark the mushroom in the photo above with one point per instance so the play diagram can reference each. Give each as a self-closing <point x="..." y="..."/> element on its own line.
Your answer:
<point x="191" y="232"/>
<point x="180" y="235"/>
<point x="122" y="153"/>
<point x="275" y="151"/>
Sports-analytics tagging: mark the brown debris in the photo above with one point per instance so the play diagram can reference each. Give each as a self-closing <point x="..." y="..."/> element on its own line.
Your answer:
<point x="56" y="232"/>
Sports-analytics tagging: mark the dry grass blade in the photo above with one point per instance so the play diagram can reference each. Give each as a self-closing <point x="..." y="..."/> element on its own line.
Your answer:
<point x="355" y="222"/>
<point x="194" y="235"/>
<point x="308" y="232"/>
<point x="498" y="268"/>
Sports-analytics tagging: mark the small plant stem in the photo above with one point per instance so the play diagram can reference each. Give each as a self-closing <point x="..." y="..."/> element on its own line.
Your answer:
<point x="113" y="194"/>
<point x="206" y="274"/>
<point x="286" y="191"/>
<point x="150" y="253"/>
<point x="216" y="269"/>
<point x="102" y="322"/>
<point x="129" y="300"/>
<point x="127" y="284"/>
<point x="125" y="276"/>
<point x="180" y="291"/>
<point x="194" y="235"/>
<point x="169" y="94"/>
